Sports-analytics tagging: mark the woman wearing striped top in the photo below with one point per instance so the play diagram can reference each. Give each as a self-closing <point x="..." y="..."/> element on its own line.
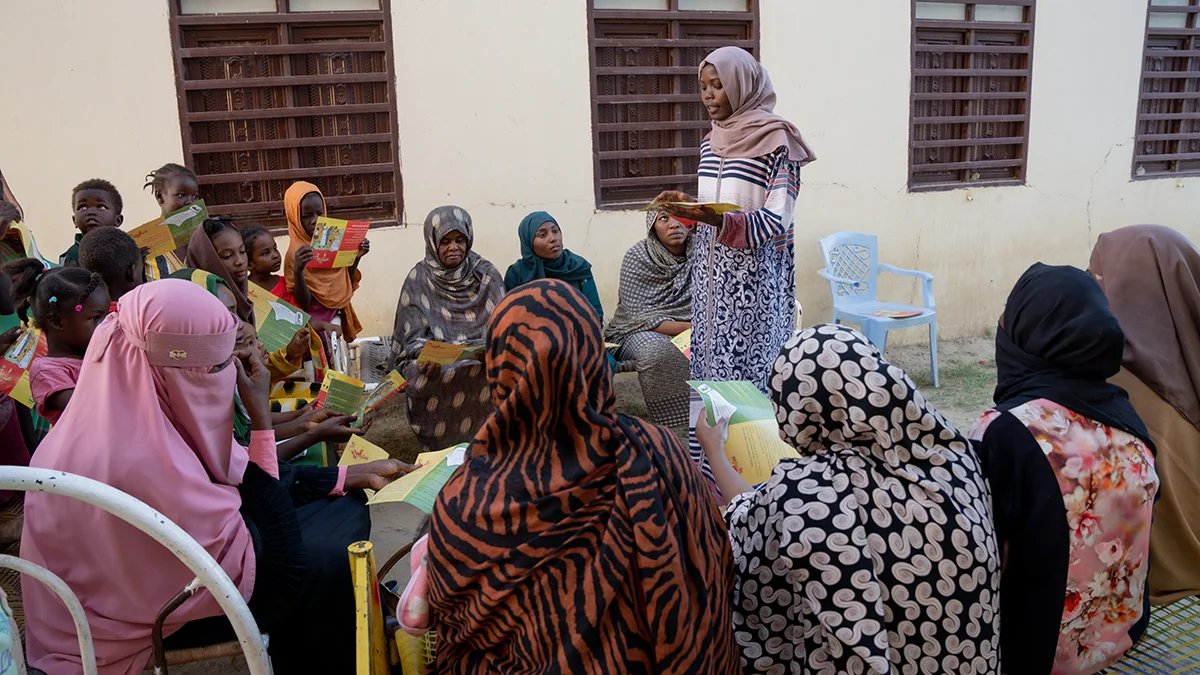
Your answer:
<point x="744" y="283"/>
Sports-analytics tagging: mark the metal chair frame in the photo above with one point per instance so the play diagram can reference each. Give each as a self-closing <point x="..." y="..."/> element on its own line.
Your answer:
<point x="135" y="512"/>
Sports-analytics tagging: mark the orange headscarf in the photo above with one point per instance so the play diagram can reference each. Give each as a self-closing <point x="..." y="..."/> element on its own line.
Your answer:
<point x="333" y="288"/>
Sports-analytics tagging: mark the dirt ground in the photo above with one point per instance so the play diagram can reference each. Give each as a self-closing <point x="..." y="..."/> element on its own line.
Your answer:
<point x="967" y="370"/>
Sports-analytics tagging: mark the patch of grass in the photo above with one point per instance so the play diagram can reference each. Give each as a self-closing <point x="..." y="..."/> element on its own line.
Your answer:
<point x="967" y="380"/>
<point x="966" y="386"/>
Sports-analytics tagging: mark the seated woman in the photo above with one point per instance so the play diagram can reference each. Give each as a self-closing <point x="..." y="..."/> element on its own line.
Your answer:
<point x="448" y="297"/>
<point x="1072" y="477"/>
<point x="151" y="417"/>
<point x="653" y="306"/>
<point x="543" y="257"/>
<point x="326" y="294"/>
<point x="873" y="551"/>
<point x="596" y="547"/>
<point x="1149" y="274"/>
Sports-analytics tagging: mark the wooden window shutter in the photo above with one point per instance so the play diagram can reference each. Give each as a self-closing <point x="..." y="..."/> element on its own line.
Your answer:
<point x="270" y="98"/>
<point x="972" y="65"/>
<point x="647" y="118"/>
<point x="1167" y="141"/>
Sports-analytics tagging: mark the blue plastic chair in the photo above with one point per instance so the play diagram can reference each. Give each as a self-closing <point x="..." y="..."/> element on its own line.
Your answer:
<point x="852" y="268"/>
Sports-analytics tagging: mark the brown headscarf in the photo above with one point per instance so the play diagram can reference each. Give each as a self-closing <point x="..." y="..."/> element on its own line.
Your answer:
<point x="202" y="255"/>
<point x="333" y="288"/>
<point x="753" y="130"/>
<point x="1149" y="273"/>
<point x="574" y="540"/>
<point x="10" y="197"/>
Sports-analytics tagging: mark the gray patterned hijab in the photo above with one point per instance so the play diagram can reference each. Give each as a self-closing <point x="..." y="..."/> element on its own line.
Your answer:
<point x="441" y="303"/>
<point x="656" y="286"/>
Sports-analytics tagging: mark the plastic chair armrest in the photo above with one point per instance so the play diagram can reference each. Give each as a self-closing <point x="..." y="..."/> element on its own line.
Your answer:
<point x="840" y="280"/>
<point x="925" y="276"/>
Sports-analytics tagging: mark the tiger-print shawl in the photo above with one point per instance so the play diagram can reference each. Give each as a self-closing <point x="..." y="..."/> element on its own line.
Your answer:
<point x="563" y="544"/>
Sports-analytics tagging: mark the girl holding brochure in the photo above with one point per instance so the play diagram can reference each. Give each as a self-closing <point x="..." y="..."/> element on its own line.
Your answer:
<point x="448" y="297"/>
<point x="882" y="525"/>
<point x="332" y="289"/>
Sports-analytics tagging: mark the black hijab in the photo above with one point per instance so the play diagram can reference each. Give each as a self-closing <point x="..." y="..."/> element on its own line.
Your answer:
<point x="1060" y="341"/>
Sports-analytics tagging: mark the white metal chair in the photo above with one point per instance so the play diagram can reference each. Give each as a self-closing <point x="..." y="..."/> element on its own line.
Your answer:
<point x="133" y="511"/>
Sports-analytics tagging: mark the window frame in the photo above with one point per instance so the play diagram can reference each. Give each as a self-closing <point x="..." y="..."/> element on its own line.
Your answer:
<point x="675" y="16"/>
<point x="969" y="27"/>
<point x="345" y="206"/>
<point x="1190" y="34"/>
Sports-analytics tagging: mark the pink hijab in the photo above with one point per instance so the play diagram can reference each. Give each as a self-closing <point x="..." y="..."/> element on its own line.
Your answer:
<point x="753" y="130"/>
<point x="149" y="418"/>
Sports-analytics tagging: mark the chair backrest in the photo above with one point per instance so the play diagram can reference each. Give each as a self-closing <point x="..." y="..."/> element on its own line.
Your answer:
<point x="853" y="256"/>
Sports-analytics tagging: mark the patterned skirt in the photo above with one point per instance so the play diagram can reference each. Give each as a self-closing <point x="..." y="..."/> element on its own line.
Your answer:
<point x="663" y="375"/>
<point x="450" y="408"/>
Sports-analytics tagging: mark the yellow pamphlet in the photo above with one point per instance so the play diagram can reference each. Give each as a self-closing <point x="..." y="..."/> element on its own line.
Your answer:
<point x="391" y="384"/>
<point x="335" y="243"/>
<point x="277" y="320"/>
<point x="341" y="393"/>
<point x="896" y="314"/>
<point x="753" y="445"/>
<point x="444" y="353"/>
<point x="27" y="242"/>
<point x="167" y="233"/>
<point x="717" y="208"/>
<point x="361" y="451"/>
<point x="14" y="365"/>
<point x="683" y="342"/>
<point x="421" y="487"/>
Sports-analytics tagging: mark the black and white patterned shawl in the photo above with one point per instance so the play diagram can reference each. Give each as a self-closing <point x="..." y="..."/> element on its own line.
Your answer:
<point x="656" y="286"/>
<point x="874" y="551"/>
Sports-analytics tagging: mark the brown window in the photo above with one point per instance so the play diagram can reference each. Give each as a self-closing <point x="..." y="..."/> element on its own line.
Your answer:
<point x="972" y="63"/>
<point x="646" y="114"/>
<point x="275" y="91"/>
<point x="1168" y="125"/>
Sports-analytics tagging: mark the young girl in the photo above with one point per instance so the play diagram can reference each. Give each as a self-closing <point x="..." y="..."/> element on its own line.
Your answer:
<point x="217" y="248"/>
<point x="332" y="289"/>
<point x="265" y="261"/>
<point x="68" y="303"/>
<point x="174" y="187"/>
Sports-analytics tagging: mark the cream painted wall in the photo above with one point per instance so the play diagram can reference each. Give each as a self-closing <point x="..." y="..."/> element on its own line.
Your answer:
<point x="91" y="93"/>
<point x="853" y="105"/>
<point x="494" y="116"/>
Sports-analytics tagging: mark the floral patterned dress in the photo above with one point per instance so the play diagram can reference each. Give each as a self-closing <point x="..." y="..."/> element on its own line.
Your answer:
<point x="1084" y="523"/>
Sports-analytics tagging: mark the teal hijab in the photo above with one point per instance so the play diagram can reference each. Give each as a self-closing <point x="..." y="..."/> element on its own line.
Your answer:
<point x="568" y="267"/>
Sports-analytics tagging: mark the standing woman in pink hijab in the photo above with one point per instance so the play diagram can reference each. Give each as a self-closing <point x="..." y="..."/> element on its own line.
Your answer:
<point x="744" y="284"/>
<point x="151" y="416"/>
